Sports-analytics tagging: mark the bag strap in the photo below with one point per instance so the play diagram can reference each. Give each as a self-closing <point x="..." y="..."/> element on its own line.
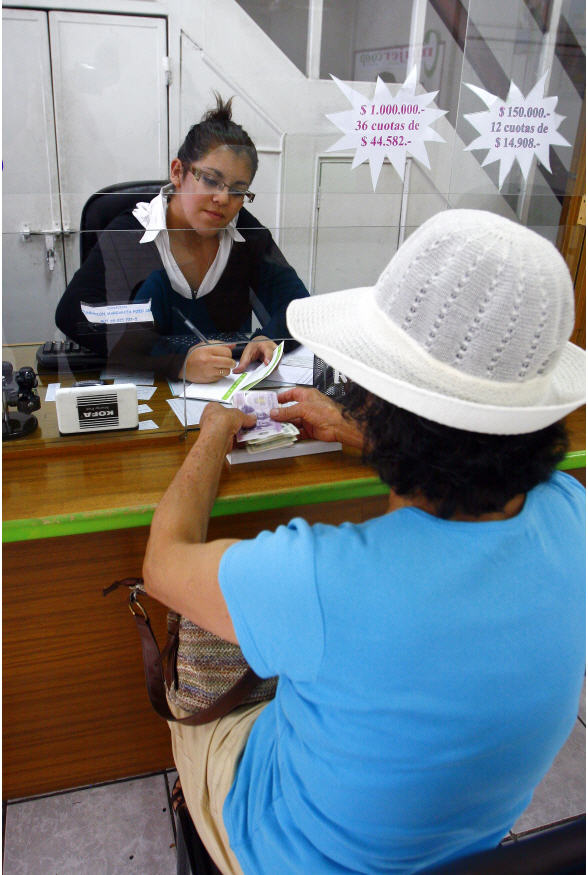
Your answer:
<point x="153" y="663"/>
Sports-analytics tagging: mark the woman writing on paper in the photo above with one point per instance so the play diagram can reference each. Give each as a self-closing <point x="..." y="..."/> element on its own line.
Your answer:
<point x="196" y="254"/>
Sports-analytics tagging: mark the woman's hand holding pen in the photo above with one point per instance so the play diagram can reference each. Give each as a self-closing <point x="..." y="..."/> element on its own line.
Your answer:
<point x="209" y="362"/>
<point x="317" y="416"/>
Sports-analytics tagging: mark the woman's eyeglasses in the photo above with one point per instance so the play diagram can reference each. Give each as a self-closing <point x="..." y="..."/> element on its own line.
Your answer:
<point x="211" y="184"/>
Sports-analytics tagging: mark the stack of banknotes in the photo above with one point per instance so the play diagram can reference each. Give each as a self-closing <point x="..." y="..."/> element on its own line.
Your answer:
<point x="265" y="434"/>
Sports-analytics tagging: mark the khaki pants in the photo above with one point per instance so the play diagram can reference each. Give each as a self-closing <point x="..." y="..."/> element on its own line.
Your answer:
<point x="206" y="758"/>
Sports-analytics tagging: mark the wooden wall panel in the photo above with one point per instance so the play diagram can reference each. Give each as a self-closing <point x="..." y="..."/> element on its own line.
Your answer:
<point x="75" y="706"/>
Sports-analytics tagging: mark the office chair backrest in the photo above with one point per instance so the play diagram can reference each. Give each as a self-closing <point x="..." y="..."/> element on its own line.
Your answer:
<point x="103" y="206"/>
<point x="560" y="850"/>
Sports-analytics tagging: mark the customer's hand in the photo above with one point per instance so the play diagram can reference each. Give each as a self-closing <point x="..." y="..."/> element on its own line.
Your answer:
<point x="259" y="349"/>
<point x="317" y="416"/>
<point x="224" y="422"/>
<point x="209" y="362"/>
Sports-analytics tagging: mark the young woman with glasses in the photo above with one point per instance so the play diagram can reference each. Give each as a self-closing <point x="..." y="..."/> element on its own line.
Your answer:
<point x="197" y="255"/>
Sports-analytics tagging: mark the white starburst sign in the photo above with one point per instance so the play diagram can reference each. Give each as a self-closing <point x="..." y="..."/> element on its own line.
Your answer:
<point x="517" y="128"/>
<point x="388" y="126"/>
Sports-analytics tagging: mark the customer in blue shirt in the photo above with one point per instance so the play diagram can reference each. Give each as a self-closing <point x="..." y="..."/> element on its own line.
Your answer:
<point x="430" y="660"/>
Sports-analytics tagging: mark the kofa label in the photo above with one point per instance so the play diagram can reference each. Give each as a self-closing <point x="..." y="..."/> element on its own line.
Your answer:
<point x="98" y="411"/>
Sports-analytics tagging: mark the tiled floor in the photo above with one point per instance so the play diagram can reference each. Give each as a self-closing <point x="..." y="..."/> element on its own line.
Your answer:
<point x="126" y="827"/>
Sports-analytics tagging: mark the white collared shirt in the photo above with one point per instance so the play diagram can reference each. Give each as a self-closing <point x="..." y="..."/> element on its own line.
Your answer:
<point x="152" y="216"/>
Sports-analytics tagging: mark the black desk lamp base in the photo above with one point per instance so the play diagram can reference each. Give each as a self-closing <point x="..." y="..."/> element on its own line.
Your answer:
<point x="17" y="425"/>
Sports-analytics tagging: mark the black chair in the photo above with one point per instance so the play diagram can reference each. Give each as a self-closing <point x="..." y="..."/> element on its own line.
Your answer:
<point x="193" y="858"/>
<point x="104" y="205"/>
<point x="560" y="850"/>
<point x="98" y="211"/>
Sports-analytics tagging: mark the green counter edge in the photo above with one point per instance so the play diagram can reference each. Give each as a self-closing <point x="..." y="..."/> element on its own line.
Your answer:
<point x="126" y="518"/>
<point x="62" y="525"/>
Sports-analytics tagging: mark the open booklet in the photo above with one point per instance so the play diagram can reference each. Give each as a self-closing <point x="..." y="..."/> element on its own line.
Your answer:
<point x="224" y="388"/>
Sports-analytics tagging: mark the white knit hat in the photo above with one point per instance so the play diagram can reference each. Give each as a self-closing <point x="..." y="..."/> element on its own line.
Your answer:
<point x="467" y="326"/>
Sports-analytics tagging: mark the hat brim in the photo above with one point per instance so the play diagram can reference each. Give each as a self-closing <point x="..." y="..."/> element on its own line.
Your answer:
<point x="340" y="329"/>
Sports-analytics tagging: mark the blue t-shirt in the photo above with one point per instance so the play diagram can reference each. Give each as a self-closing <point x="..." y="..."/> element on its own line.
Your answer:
<point x="429" y="670"/>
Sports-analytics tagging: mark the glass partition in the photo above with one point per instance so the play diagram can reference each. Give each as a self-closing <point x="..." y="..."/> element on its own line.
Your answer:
<point x="113" y="244"/>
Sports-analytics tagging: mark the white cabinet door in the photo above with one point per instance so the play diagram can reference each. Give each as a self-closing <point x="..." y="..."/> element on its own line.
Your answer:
<point x="357" y="228"/>
<point x="30" y="183"/>
<point x="110" y="94"/>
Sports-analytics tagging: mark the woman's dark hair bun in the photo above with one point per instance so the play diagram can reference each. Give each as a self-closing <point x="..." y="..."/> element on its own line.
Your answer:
<point x="217" y="128"/>
<point x="222" y="112"/>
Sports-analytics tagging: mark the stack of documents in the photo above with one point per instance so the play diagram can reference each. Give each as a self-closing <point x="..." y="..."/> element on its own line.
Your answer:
<point x="294" y="369"/>
<point x="265" y="434"/>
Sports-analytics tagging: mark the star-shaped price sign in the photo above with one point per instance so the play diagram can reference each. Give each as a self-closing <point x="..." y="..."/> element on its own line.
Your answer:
<point x="517" y="128"/>
<point x="388" y="126"/>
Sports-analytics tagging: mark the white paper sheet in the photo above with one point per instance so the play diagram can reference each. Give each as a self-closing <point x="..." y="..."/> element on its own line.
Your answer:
<point x="176" y="387"/>
<point x="145" y="393"/>
<point x="301" y="357"/>
<point x="292" y="376"/>
<point x="194" y="408"/>
<point x="295" y="369"/>
<point x="144" y="378"/>
<point x="51" y="390"/>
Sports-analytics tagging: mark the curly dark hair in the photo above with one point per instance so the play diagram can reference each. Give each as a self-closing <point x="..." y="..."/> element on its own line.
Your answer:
<point x="458" y="471"/>
<point x="217" y="128"/>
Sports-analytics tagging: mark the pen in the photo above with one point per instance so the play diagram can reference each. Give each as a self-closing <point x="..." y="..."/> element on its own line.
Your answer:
<point x="192" y="327"/>
<point x="200" y="335"/>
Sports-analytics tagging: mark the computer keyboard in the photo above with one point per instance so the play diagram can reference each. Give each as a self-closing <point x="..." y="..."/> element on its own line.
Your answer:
<point x="58" y="355"/>
<point x="182" y="342"/>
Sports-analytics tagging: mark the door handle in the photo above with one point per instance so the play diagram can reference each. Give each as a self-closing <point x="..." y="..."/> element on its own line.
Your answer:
<point x="50" y="251"/>
<point x="49" y="234"/>
<point x="27" y="232"/>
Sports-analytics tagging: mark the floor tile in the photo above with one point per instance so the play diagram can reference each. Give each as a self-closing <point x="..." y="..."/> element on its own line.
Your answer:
<point x="113" y="829"/>
<point x="562" y="792"/>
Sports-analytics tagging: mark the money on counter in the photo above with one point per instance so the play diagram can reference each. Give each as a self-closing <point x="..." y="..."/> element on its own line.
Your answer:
<point x="285" y="439"/>
<point x="265" y="434"/>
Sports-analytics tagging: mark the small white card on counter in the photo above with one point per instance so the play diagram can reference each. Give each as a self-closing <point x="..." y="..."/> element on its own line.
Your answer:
<point x="145" y="393"/>
<point x="51" y="390"/>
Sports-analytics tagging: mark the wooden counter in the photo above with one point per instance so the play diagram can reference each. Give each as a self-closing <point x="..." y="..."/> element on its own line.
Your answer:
<point x="76" y="517"/>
